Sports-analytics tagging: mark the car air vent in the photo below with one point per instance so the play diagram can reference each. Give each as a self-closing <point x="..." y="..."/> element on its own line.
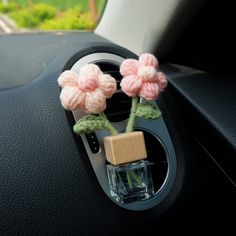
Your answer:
<point x="160" y="150"/>
<point x="157" y="155"/>
<point x="118" y="106"/>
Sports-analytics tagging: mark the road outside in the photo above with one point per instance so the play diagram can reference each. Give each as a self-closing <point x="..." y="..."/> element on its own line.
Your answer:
<point x="6" y="25"/>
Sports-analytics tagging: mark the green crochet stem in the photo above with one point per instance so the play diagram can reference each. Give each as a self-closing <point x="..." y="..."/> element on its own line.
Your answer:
<point x="132" y="177"/>
<point x="108" y="125"/>
<point x="130" y="125"/>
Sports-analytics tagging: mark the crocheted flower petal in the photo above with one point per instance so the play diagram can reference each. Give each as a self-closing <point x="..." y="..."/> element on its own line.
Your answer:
<point x="95" y="102"/>
<point x="147" y="73"/>
<point x="148" y="59"/>
<point x="129" y="67"/>
<point x="88" y="84"/>
<point x="88" y="77"/>
<point x="149" y="91"/>
<point x="72" y="98"/>
<point x="107" y="84"/>
<point x="68" y="78"/>
<point x="161" y="81"/>
<point x="90" y="70"/>
<point x="131" y="85"/>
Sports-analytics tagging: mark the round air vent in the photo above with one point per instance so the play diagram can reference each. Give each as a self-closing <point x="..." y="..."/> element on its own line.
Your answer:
<point x="157" y="155"/>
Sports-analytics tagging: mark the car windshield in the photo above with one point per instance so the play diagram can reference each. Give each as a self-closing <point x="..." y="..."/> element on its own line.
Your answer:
<point x="19" y="16"/>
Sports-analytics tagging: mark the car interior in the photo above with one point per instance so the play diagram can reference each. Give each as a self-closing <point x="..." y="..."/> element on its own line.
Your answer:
<point x="54" y="182"/>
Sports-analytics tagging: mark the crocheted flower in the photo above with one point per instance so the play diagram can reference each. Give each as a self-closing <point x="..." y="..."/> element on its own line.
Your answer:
<point x="86" y="90"/>
<point x="141" y="77"/>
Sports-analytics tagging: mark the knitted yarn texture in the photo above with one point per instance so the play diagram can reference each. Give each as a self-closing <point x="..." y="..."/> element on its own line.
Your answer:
<point x="89" y="89"/>
<point x="141" y="77"/>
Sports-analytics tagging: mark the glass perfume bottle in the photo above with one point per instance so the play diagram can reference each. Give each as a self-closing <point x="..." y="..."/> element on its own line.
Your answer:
<point x="129" y="174"/>
<point x="130" y="182"/>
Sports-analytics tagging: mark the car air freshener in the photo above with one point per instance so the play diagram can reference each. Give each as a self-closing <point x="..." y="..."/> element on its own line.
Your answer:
<point x="128" y="170"/>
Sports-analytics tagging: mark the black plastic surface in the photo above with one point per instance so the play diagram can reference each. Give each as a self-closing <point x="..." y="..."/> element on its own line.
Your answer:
<point x="47" y="183"/>
<point x="208" y="43"/>
<point x="209" y="102"/>
<point x="25" y="56"/>
<point x="48" y="186"/>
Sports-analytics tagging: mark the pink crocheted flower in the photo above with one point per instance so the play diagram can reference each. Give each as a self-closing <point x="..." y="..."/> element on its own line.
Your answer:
<point x="87" y="90"/>
<point x="141" y="77"/>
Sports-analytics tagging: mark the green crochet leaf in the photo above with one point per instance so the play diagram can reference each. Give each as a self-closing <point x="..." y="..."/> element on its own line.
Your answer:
<point x="148" y="111"/>
<point x="88" y="124"/>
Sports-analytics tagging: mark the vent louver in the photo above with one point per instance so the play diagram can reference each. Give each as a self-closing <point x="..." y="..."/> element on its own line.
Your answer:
<point x="118" y="106"/>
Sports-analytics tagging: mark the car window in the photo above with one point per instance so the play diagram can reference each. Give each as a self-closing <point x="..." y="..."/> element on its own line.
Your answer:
<point x="19" y="16"/>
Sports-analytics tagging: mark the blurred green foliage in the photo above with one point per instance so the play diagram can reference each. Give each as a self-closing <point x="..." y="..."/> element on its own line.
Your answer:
<point x="8" y="8"/>
<point x="52" y="14"/>
<point x="33" y="17"/>
<point x="72" y="19"/>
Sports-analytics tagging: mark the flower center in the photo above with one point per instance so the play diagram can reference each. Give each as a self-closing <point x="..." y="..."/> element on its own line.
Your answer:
<point x="88" y="84"/>
<point x="147" y="73"/>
